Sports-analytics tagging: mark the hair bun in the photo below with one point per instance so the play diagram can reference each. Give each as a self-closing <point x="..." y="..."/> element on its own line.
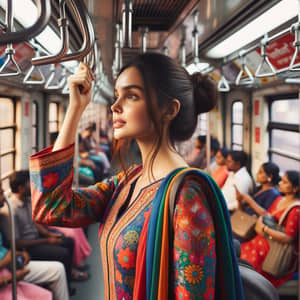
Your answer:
<point x="205" y="93"/>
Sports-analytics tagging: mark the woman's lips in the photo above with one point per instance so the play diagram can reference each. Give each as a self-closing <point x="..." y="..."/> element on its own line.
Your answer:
<point x="118" y="123"/>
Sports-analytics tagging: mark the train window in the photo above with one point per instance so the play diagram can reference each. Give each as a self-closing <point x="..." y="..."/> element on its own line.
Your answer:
<point x="53" y="117"/>
<point x="7" y="140"/>
<point x="34" y="127"/>
<point x="237" y="125"/>
<point x="284" y="133"/>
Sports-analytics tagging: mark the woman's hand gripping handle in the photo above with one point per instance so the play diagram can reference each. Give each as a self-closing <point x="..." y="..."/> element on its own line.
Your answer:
<point x="80" y="86"/>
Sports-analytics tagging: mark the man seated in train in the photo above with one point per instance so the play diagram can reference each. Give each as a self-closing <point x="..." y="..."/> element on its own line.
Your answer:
<point x="238" y="178"/>
<point x="49" y="273"/>
<point x="38" y="241"/>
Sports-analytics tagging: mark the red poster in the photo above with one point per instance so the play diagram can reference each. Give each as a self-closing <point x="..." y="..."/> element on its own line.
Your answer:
<point x="26" y="109"/>
<point x="281" y="51"/>
<point x="256" y="107"/>
<point x="257" y="135"/>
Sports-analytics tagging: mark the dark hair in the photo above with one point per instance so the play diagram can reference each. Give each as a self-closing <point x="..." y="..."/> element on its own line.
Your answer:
<point x="224" y="152"/>
<point x="239" y="156"/>
<point x="168" y="80"/>
<point x="272" y="170"/>
<point x="17" y="179"/>
<point x="202" y="139"/>
<point x="294" y="177"/>
<point x="214" y="144"/>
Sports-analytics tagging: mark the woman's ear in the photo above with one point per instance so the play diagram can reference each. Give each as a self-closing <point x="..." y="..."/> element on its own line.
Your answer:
<point x="172" y="110"/>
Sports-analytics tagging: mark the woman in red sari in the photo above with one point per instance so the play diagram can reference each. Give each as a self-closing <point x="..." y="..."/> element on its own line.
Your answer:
<point x="256" y="250"/>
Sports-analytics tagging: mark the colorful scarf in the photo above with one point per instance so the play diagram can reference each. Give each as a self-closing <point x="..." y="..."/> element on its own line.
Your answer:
<point x="153" y="256"/>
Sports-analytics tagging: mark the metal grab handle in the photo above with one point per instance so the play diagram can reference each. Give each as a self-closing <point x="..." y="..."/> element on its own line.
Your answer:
<point x="31" y="71"/>
<point x="44" y="13"/>
<point x="13" y="249"/>
<point x="223" y="85"/>
<point x="296" y="29"/>
<point x="49" y="85"/>
<point x="244" y="70"/>
<point x="265" y="61"/>
<point x="64" y="36"/>
<point x="10" y="51"/>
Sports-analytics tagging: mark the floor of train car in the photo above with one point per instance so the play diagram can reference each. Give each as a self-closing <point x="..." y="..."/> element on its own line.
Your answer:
<point x="93" y="288"/>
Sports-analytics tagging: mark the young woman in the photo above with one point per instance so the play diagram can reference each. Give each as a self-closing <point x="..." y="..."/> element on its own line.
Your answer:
<point x="256" y="250"/>
<point x="156" y="103"/>
<point x="265" y="194"/>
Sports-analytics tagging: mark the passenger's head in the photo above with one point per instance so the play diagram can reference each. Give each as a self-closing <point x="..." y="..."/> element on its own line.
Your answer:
<point x="19" y="183"/>
<point x="290" y="183"/>
<point x="214" y="146"/>
<point x="165" y="98"/>
<point x="268" y="173"/>
<point x="200" y="141"/>
<point x="236" y="160"/>
<point x="221" y="156"/>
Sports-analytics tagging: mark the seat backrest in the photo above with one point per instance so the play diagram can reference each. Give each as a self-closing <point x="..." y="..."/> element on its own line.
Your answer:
<point x="256" y="287"/>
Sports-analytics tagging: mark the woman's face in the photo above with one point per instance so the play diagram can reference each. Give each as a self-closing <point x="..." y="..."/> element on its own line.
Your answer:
<point x="130" y="115"/>
<point x="285" y="186"/>
<point x="262" y="176"/>
<point x="220" y="159"/>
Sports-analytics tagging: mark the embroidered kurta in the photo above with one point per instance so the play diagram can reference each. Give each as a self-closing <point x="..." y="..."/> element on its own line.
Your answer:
<point x="256" y="250"/>
<point x="56" y="203"/>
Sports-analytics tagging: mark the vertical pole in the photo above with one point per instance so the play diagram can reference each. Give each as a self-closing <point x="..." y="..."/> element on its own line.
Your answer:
<point x="208" y="134"/>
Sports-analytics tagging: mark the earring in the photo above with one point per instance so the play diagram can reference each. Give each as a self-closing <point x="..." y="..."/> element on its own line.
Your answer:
<point x="269" y="179"/>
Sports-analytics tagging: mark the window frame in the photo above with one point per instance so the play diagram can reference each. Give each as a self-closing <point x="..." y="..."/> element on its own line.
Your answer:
<point x="290" y="127"/>
<point x="240" y="124"/>
<point x="12" y="151"/>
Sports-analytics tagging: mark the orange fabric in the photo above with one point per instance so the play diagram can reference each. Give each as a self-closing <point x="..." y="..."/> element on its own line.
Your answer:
<point x="220" y="175"/>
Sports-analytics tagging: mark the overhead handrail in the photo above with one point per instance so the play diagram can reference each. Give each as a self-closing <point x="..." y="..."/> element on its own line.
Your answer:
<point x="82" y="18"/>
<point x="296" y="30"/>
<point x="292" y="80"/>
<point x="127" y="23"/>
<point x="44" y="13"/>
<point x="195" y="34"/>
<point x="117" y="60"/>
<point x="265" y="61"/>
<point x="34" y="69"/>
<point x="64" y="37"/>
<point x="144" y="30"/>
<point x="9" y="51"/>
<point x="248" y="79"/>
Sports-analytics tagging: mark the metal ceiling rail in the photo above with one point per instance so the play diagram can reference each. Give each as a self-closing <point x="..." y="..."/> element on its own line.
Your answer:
<point x="44" y="13"/>
<point x="64" y="36"/>
<point x="83" y="20"/>
<point x="127" y="11"/>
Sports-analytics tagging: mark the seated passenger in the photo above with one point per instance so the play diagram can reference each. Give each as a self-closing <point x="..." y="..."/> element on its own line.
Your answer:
<point x="238" y="176"/>
<point x="214" y="148"/>
<point x="197" y="158"/>
<point x="221" y="172"/>
<point x="47" y="273"/>
<point x="265" y="194"/>
<point x="39" y="242"/>
<point x="256" y="250"/>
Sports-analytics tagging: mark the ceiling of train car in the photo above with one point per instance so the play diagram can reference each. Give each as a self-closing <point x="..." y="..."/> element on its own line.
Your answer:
<point x="164" y="19"/>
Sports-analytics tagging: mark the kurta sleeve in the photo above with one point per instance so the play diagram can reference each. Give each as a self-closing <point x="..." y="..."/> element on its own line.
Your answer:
<point x="292" y="222"/>
<point x="194" y="260"/>
<point x="54" y="202"/>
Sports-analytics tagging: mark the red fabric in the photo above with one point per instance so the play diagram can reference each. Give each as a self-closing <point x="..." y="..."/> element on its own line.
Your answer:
<point x="256" y="250"/>
<point x="139" y="290"/>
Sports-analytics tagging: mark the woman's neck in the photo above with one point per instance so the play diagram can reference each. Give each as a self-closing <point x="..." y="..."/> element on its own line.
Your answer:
<point x="266" y="186"/>
<point x="166" y="160"/>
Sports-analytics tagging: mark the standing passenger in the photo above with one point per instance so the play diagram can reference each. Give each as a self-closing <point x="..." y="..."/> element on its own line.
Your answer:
<point x="156" y="103"/>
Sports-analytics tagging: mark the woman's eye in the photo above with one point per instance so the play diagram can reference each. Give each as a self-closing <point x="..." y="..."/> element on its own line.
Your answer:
<point x="132" y="96"/>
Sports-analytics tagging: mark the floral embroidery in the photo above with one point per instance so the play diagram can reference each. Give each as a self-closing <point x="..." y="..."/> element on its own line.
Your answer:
<point x="131" y="237"/>
<point x="181" y="293"/>
<point x="126" y="258"/>
<point x="193" y="273"/>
